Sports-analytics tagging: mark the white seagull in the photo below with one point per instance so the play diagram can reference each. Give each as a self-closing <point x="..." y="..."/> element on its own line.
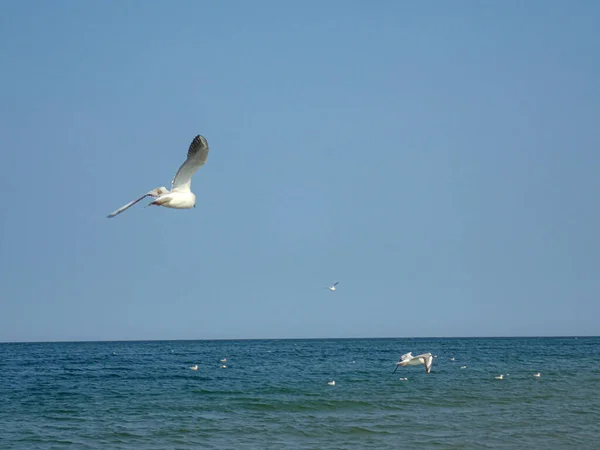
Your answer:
<point x="500" y="377"/>
<point x="332" y="287"/>
<point x="409" y="360"/>
<point x="537" y="375"/>
<point x="194" y="367"/>
<point x="180" y="196"/>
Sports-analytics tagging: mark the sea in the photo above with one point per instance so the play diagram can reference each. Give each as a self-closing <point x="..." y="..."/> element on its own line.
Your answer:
<point x="276" y="394"/>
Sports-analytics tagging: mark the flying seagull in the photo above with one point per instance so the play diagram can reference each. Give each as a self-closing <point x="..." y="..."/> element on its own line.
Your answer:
<point x="332" y="288"/>
<point x="180" y="196"/>
<point x="409" y="360"/>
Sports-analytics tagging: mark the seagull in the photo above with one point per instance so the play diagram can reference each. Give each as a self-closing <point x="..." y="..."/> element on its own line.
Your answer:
<point x="409" y="360"/>
<point x="223" y="360"/>
<point x="331" y="383"/>
<point x="500" y="377"/>
<point x="332" y="287"/>
<point x="194" y="367"/>
<point x="537" y="375"/>
<point x="180" y="196"/>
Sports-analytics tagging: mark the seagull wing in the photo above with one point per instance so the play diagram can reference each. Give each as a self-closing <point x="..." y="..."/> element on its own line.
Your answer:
<point x="427" y="361"/>
<point x="196" y="157"/>
<point x="406" y="356"/>
<point x="153" y="193"/>
<point x="335" y="284"/>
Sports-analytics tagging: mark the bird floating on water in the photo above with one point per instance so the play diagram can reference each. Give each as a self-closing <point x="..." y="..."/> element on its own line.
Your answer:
<point x="223" y="360"/>
<point x="180" y="196"/>
<point x="500" y="377"/>
<point x="537" y="375"/>
<point x="331" y="383"/>
<point x="332" y="287"/>
<point x="403" y="379"/>
<point x="194" y="367"/>
<point x="463" y="367"/>
<point x="409" y="360"/>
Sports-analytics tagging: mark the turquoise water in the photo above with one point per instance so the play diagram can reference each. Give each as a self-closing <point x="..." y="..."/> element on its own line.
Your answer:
<point x="274" y="394"/>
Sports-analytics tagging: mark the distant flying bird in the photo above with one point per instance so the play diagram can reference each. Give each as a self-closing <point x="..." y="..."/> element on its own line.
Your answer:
<point x="332" y="287"/>
<point x="180" y="196"/>
<point x="409" y="360"/>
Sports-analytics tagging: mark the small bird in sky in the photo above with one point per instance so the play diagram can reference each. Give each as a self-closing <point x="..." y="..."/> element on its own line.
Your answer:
<point x="332" y="287"/>
<point x="180" y="196"/>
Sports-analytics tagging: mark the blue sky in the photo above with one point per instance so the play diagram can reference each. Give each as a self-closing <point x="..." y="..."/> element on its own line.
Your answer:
<point x="439" y="159"/>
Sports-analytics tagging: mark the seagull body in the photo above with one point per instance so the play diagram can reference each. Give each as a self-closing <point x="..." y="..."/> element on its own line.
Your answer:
<point x="180" y="196"/>
<point x="537" y="375"/>
<point x="332" y="287"/>
<point x="409" y="360"/>
<point x="194" y="367"/>
<point x="500" y="377"/>
<point x="331" y="383"/>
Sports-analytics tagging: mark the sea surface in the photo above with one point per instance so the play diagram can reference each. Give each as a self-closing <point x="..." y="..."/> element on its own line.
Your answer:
<point x="274" y="394"/>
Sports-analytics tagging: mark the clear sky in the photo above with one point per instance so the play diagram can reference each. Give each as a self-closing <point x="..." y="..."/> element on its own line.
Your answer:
<point x="441" y="160"/>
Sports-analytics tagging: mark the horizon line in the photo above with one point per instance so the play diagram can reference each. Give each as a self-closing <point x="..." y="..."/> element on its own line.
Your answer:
<point x="67" y="341"/>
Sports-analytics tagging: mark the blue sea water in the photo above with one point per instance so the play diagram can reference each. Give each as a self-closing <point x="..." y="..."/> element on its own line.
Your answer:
<point x="274" y="394"/>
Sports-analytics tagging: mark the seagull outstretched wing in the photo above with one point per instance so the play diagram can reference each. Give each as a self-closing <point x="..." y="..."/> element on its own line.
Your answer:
<point x="427" y="361"/>
<point x="196" y="157"/>
<point x="153" y="193"/>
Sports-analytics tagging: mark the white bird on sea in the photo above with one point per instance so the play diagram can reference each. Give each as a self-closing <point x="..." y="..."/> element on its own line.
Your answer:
<point x="223" y="366"/>
<point x="180" y="196"/>
<point x="537" y="375"/>
<point x="403" y="379"/>
<point x="194" y="367"/>
<point x="332" y="287"/>
<point x="331" y="383"/>
<point x="500" y="377"/>
<point x="223" y="360"/>
<point x="463" y="367"/>
<point x="409" y="360"/>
